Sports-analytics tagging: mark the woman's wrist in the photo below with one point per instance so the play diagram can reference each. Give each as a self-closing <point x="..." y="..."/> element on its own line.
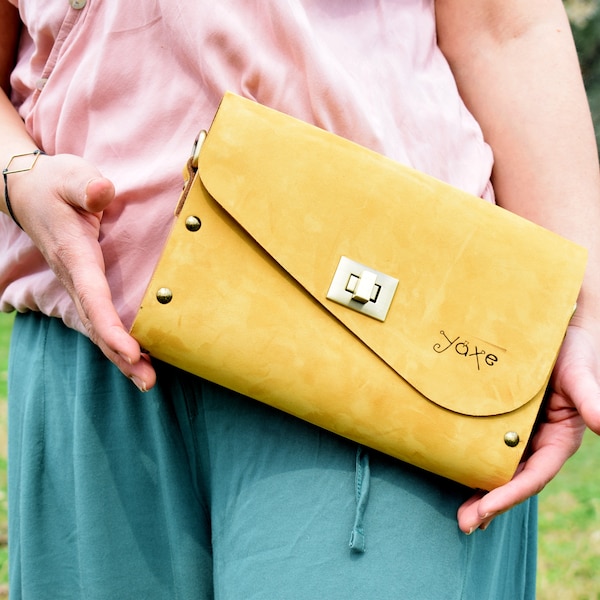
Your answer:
<point x="18" y="163"/>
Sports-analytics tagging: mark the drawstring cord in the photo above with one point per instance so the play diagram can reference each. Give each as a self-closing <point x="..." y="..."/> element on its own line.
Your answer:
<point x="362" y="485"/>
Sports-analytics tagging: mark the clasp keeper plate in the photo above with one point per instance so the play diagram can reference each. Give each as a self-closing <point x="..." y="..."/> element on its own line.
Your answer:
<point x="362" y="289"/>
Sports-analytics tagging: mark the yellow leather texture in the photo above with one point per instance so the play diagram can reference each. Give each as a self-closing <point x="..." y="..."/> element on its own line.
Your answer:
<point x="465" y="353"/>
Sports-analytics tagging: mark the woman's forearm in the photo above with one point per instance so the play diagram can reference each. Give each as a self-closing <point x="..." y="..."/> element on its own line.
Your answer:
<point x="14" y="140"/>
<point x="516" y="67"/>
<point x="13" y="136"/>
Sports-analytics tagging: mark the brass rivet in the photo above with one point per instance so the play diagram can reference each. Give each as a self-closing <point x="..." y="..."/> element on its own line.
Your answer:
<point x="193" y="223"/>
<point x="164" y="295"/>
<point x="511" y="439"/>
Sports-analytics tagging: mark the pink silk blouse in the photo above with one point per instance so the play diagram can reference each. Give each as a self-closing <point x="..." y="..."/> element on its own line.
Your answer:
<point x="128" y="85"/>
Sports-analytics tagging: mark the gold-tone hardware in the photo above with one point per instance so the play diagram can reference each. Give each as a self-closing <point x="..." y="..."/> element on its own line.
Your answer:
<point x="195" y="156"/>
<point x="9" y="170"/>
<point x="362" y="289"/>
<point x="164" y="295"/>
<point x="511" y="439"/>
<point x="193" y="223"/>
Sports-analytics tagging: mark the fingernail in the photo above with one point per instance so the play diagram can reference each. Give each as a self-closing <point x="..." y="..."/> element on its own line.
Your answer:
<point x="126" y="358"/>
<point x="471" y="531"/>
<point x="87" y="185"/>
<point x="139" y="384"/>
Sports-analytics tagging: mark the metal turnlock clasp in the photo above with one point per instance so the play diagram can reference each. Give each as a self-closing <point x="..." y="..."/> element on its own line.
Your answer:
<point x="362" y="289"/>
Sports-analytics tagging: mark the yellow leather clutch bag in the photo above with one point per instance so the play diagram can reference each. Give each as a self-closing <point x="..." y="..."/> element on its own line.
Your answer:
<point x="333" y="283"/>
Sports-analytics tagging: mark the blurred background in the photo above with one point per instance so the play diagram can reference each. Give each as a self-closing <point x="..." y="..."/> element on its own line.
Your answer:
<point x="585" y="21"/>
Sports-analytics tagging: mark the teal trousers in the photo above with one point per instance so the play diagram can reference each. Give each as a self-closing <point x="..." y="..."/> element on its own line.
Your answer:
<point x="191" y="491"/>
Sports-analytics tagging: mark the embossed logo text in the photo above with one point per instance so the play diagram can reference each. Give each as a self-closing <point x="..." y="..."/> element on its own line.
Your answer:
<point x="463" y="348"/>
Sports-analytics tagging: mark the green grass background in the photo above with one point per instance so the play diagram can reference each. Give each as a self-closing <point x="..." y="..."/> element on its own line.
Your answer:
<point x="569" y="538"/>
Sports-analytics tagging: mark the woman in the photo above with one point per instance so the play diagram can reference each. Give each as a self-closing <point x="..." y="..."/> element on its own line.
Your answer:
<point x="189" y="491"/>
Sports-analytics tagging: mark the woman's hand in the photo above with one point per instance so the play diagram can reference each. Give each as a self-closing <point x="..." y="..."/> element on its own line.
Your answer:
<point x="573" y="403"/>
<point x="59" y="204"/>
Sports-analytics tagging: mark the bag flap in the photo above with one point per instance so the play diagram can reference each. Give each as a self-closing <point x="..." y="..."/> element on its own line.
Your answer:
<point x="483" y="297"/>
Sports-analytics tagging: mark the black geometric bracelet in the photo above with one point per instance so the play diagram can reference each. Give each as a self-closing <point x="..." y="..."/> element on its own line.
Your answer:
<point x="8" y="171"/>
